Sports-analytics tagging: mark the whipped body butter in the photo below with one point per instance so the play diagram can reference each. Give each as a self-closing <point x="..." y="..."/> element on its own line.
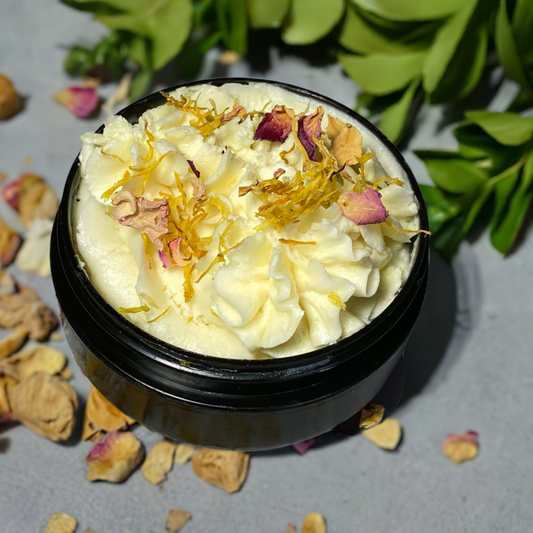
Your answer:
<point x="244" y="221"/>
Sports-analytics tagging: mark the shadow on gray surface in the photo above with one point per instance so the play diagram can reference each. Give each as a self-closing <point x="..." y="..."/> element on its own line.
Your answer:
<point x="5" y="443"/>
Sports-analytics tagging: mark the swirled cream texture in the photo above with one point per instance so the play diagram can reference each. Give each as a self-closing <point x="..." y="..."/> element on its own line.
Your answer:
<point x="209" y="236"/>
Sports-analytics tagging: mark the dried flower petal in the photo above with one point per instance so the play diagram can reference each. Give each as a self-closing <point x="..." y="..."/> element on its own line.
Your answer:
<point x="144" y="215"/>
<point x="198" y="189"/>
<point x="346" y="146"/>
<point x="193" y="168"/>
<point x="237" y="111"/>
<point x="13" y="341"/>
<point x="334" y="127"/>
<point x="119" y="95"/>
<point x="386" y="435"/>
<point x="61" y="523"/>
<point x="224" y="468"/>
<point x="46" y="404"/>
<point x="82" y="101"/>
<point x="302" y="447"/>
<point x="34" y="255"/>
<point x="310" y="128"/>
<point x="101" y="415"/>
<point x="25" y="308"/>
<point x="114" y="457"/>
<point x="276" y="125"/>
<point x="461" y="447"/>
<point x="176" y="519"/>
<point x="33" y="360"/>
<point x="159" y="462"/>
<point x="184" y="452"/>
<point x="291" y="528"/>
<point x="363" y="208"/>
<point x="10" y="242"/>
<point x="314" y="523"/>
<point x="228" y="57"/>
<point x="371" y="415"/>
<point x="10" y="101"/>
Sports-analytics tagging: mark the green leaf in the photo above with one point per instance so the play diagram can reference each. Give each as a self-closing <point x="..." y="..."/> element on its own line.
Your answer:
<point x="166" y="22"/>
<point x="358" y="36"/>
<point x="449" y="236"/>
<point x="383" y="74"/>
<point x="445" y="44"/>
<point x="509" y="129"/>
<point x="268" y="14"/>
<point x="139" y="52"/>
<point x="453" y="174"/>
<point x="79" y="61"/>
<point x="130" y="6"/>
<point x="311" y="20"/>
<point x="139" y="84"/>
<point x="411" y="9"/>
<point x="393" y="119"/>
<point x="475" y="207"/>
<point x="507" y="50"/>
<point x="440" y="206"/>
<point x="523" y="29"/>
<point x="233" y="24"/>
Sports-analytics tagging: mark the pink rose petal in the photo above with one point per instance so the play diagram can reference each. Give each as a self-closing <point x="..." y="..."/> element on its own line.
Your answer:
<point x="193" y="168"/>
<point x="363" y="208"/>
<point x="82" y="101"/>
<point x="302" y="447"/>
<point x="309" y="127"/>
<point x="276" y="125"/>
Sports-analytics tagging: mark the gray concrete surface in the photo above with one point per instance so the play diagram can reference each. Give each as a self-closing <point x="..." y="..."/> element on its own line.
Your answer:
<point x="469" y="365"/>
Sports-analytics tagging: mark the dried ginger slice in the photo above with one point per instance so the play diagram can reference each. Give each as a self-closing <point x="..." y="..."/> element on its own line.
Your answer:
<point x="61" y="523"/>
<point x="13" y="341"/>
<point x="386" y="435"/>
<point x="46" y="404"/>
<point x="314" y="523"/>
<point x="226" y="469"/>
<point x="102" y="415"/>
<point x="176" y="519"/>
<point x="159" y="462"/>
<point x="33" y="360"/>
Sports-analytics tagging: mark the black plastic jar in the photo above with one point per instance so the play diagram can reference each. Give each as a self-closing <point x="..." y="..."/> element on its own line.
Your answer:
<point x="229" y="403"/>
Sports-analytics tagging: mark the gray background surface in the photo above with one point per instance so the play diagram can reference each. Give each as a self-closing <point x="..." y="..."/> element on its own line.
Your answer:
<point x="469" y="364"/>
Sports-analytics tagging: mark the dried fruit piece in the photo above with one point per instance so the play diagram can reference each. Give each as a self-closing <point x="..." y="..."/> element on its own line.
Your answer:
<point x="176" y="519"/>
<point x="114" y="457"/>
<point x="302" y="447"/>
<point x="101" y="415"/>
<point x="314" y="523"/>
<point x="461" y="447"/>
<point x="61" y="523"/>
<point x="34" y="255"/>
<point x="276" y="125"/>
<point x="10" y="101"/>
<point x="183" y="453"/>
<point x="310" y="128"/>
<point x="363" y="208"/>
<point x="32" y="197"/>
<point x="224" y="468"/>
<point x="371" y="415"/>
<point x="32" y="360"/>
<point x="45" y="404"/>
<point x="159" y="462"/>
<point x="386" y="435"/>
<point x="82" y="101"/>
<point x="13" y="341"/>
<point x="9" y="243"/>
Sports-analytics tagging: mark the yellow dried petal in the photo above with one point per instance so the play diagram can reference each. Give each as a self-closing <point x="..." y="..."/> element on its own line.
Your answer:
<point x="32" y="360"/>
<point x="13" y="341"/>
<point x="371" y="415"/>
<point x="461" y="447"/>
<point x="159" y="462"/>
<point x="224" y="468"/>
<point x="386" y="435"/>
<point x="176" y="519"/>
<point x="61" y="523"/>
<point x="314" y="523"/>
<point x="346" y="148"/>
<point x="184" y="452"/>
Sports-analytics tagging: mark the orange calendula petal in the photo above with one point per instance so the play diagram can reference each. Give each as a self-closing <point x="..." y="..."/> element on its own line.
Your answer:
<point x="309" y="128"/>
<point x="363" y="208"/>
<point x="461" y="447"/>
<point x="276" y="125"/>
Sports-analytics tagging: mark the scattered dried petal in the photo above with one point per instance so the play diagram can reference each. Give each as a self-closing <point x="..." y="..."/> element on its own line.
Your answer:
<point x="119" y="95"/>
<point x="334" y="127"/>
<point x="34" y="255"/>
<point x="314" y="523"/>
<point x="150" y="218"/>
<point x="291" y="528"/>
<point x="10" y="242"/>
<point x="363" y="208"/>
<point x="176" y="519"/>
<point x="183" y="453"/>
<point x="10" y="101"/>
<point x="46" y="404"/>
<point x="302" y="447"/>
<point x="193" y="168"/>
<point x="198" y="189"/>
<point x="56" y="336"/>
<point x="371" y="415"/>
<point x="82" y="101"/>
<point x="33" y="360"/>
<point x="276" y="125"/>
<point x="66" y="374"/>
<point x="237" y="111"/>
<point x="461" y="447"/>
<point x="101" y="415"/>
<point x="386" y="435"/>
<point x="346" y="146"/>
<point x="13" y="341"/>
<point x="228" y="57"/>
<point x="279" y="173"/>
<point x="224" y="468"/>
<point x="310" y="128"/>
<point x="159" y="462"/>
<point x="114" y="457"/>
<point x="61" y="523"/>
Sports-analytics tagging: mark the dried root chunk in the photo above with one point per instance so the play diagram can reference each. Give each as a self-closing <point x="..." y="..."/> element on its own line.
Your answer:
<point x="159" y="462"/>
<point x="371" y="415"/>
<point x="224" y="468"/>
<point x="33" y="360"/>
<point x="10" y="101"/>
<point x="314" y="523"/>
<point x="101" y="415"/>
<point x="45" y="404"/>
<point x="386" y="435"/>
<point x="461" y="447"/>
<point x="114" y="457"/>
<point x="176" y="519"/>
<point x="10" y="242"/>
<point x="184" y="452"/>
<point x="61" y="523"/>
<point x="25" y="308"/>
<point x="13" y="341"/>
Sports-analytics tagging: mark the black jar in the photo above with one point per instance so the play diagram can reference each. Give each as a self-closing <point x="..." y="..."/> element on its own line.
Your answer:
<point x="229" y="403"/>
